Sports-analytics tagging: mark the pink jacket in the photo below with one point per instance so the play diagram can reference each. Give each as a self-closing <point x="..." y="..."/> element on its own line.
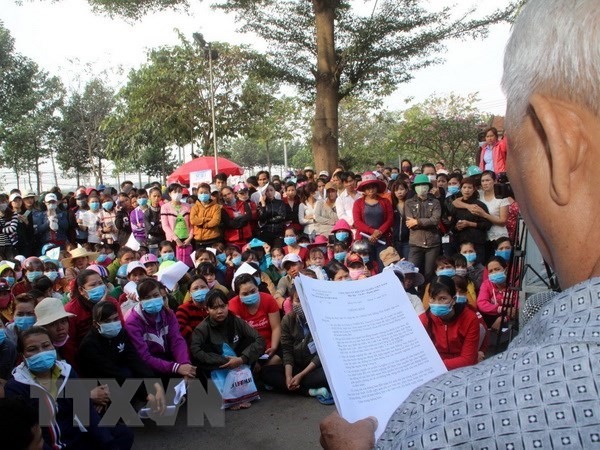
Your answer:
<point x="489" y="298"/>
<point x="498" y="156"/>
<point x="168" y="215"/>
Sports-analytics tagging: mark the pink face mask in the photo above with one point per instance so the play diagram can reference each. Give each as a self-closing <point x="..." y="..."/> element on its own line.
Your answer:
<point x="212" y="284"/>
<point x="355" y="273"/>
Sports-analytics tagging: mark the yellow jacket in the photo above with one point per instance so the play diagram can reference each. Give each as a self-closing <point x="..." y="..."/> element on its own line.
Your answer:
<point x="206" y="220"/>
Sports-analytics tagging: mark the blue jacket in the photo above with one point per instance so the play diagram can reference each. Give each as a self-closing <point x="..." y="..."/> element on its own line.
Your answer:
<point x="41" y="228"/>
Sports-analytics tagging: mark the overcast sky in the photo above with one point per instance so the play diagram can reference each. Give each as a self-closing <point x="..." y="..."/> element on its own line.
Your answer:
<point x="65" y="36"/>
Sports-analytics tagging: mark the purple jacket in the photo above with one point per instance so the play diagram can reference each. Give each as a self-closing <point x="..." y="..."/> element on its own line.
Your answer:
<point x="136" y="219"/>
<point x="157" y="339"/>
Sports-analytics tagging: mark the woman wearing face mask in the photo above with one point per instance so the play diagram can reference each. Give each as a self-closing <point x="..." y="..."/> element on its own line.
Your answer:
<point x="422" y="214"/>
<point x="107" y="352"/>
<point x="51" y="226"/>
<point x="152" y="221"/>
<point x="154" y="332"/>
<point x="407" y="168"/>
<point x="23" y="316"/>
<point x="455" y="332"/>
<point x="79" y="232"/>
<point x="237" y="219"/>
<point x="306" y="210"/>
<point x="191" y="313"/>
<point x="87" y="219"/>
<point x="136" y="217"/>
<point x="87" y="290"/>
<point x="493" y="296"/>
<point x="24" y="225"/>
<point x="325" y="212"/>
<point x="33" y="268"/>
<point x="290" y="240"/>
<point x="261" y="312"/>
<point x="43" y="373"/>
<point x="51" y="315"/>
<point x="9" y="223"/>
<point x="107" y="217"/>
<point x="175" y="220"/>
<point x="301" y="372"/>
<point x="206" y="218"/>
<point x="276" y="271"/>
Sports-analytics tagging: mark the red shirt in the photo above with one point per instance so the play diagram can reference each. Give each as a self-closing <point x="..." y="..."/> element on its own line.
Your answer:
<point x="260" y="320"/>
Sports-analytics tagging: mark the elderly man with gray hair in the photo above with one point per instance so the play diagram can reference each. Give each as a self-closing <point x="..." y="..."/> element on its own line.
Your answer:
<point x="543" y="391"/>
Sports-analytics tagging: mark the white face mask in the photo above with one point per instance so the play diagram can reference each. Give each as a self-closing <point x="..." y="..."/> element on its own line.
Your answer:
<point x="422" y="190"/>
<point x="176" y="196"/>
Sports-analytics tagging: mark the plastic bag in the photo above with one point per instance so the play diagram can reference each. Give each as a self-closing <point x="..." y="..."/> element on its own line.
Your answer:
<point x="235" y="385"/>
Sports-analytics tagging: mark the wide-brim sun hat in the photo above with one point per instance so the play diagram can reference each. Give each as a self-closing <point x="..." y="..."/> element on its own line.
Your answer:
<point x="79" y="252"/>
<point x="370" y="179"/>
<point x="50" y="310"/>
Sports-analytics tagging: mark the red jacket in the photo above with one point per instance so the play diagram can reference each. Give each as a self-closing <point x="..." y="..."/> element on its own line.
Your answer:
<point x="237" y="223"/>
<point x="498" y="156"/>
<point x="456" y="341"/>
<point x="358" y="211"/>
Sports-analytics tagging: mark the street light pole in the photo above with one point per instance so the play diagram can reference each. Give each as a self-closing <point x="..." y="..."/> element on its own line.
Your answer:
<point x="199" y="38"/>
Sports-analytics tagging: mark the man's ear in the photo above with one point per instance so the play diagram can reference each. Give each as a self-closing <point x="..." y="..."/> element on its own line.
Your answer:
<point x="562" y="131"/>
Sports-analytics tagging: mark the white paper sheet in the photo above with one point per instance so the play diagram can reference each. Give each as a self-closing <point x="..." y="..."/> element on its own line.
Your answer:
<point x="372" y="345"/>
<point x="132" y="243"/>
<point x="53" y="253"/>
<point x="172" y="274"/>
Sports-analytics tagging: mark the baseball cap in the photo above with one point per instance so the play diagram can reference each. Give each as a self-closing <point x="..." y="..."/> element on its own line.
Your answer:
<point x="148" y="258"/>
<point x="30" y="194"/>
<point x="14" y="196"/>
<point x="291" y="258"/>
<point x="135" y="265"/>
<point x="50" y="198"/>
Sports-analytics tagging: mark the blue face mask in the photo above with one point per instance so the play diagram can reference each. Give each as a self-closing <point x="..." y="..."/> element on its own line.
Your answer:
<point x="221" y="257"/>
<point x="498" y="277"/>
<point x="94" y="206"/>
<point x="53" y="275"/>
<point x="142" y="201"/>
<point x="290" y="240"/>
<point x="446" y="272"/>
<point x="340" y="256"/>
<point x="42" y="361"/>
<point x="453" y="190"/>
<point x="393" y="176"/>
<point x="153" y="305"/>
<point x="2" y="335"/>
<point x="200" y="295"/>
<point x="504" y="254"/>
<point x="251" y="299"/>
<point x="170" y="256"/>
<point x="101" y="258"/>
<point x="32" y="276"/>
<point x="440" y="310"/>
<point x="204" y="198"/>
<point x="10" y="280"/>
<point x="237" y="260"/>
<point x="107" y="205"/>
<point x="460" y="299"/>
<point x="365" y="258"/>
<point x="342" y="235"/>
<point x="111" y="329"/>
<point x="24" y="322"/>
<point x="96" y="294"/>
<point x="470" y="257"/>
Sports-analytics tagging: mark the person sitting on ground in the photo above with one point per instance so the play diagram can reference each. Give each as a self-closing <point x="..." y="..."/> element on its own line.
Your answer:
<point x="191" y="314"/>
<point x="220" y="328"/>
<point x="494" y="298"/>
<point x="357" y="268"/>
<point x="301" y="371"/>
<point x="23" y="317"/>
<point x="337" y="271"/>
<point x="461" y="265"/>
<point x="475" y="270"/>
<point x="292" y="264"/>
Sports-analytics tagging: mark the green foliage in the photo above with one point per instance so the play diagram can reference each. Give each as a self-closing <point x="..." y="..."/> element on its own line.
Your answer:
<point x="83" y="143"/>
<point x="441" y="128"/>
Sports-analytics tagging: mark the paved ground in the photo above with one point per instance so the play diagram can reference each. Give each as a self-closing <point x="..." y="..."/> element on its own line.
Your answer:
<point x="277" y="421"/>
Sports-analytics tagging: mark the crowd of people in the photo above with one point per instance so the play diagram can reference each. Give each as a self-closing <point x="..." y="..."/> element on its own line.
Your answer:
<point x="81" y="291"/>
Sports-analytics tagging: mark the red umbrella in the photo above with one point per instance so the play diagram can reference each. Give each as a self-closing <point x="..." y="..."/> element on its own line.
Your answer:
<point x="182" y="174"/>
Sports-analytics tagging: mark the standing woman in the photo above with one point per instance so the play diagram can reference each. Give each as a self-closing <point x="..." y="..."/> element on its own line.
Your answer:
<point x="107" y="217"/>
<point x="9" y="222"/>
<point x="272" y="217"/>
<point x="493" y="152"/>
<point x="175" y="221"/>
<point x="24" y="225"/>
<point x="400" y="231"/>
<point x="154" y="232"/>
<point x="498" y="211"/>
<point x="26" y="247"/>
<point x="306" y="210"/>
<point x="206" y="218"/>
<point x="466" y="226"/>
<point x="407" y="169"/>
<point x="291" y="244"/>
<point x="237" y="219"/>
<point x="373" y="215"/>
<point x="325" y="214"/>
<point x="293" y="201"/>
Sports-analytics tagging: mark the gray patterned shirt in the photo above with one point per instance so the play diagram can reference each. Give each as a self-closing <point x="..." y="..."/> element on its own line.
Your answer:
<point x="542" y="392"/>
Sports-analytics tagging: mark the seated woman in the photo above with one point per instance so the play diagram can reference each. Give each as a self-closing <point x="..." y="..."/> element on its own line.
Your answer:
<point x="261" y="312"/>
<point x="191" y="314"/>
<point x="302" y="371"/>
<point x="209" y="272"/>
<point x="42" y="373"/>
<point x="107" y="352"/>
<point x="154" y="332"/>
<point x="454" y="333"/>
<point x="493" y="295"/>
<point x="223" y="328"/>
<point x="51" y="315"/>
<point x="292" y="246"/>
<point x="336" y="271"/>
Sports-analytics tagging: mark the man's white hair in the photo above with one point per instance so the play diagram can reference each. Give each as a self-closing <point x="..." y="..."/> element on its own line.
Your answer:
<point x="554" y="49"/>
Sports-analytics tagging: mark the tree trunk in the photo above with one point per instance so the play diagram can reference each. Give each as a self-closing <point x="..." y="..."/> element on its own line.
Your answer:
<point x="100" y="170"/>
<point x="78" y="178"/>
<point x="18" y="179"/>
<point x="325" y="127"/>
<point x="54" y="168"/>
<point x="268" y="156"/>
